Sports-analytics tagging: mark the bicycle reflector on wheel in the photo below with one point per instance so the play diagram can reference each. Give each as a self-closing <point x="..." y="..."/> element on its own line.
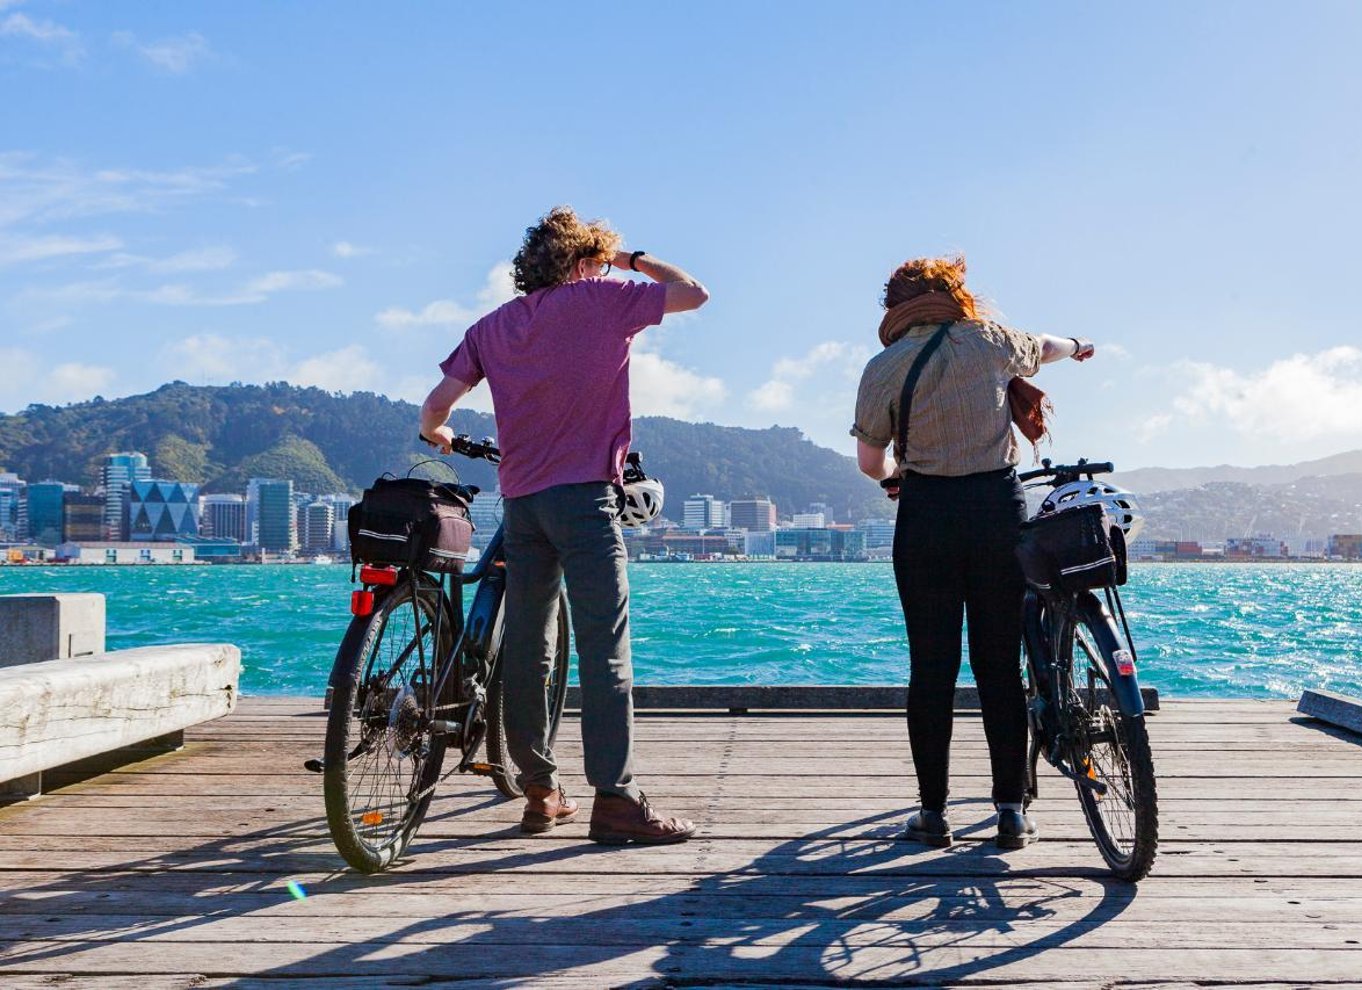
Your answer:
<point x="361" y="603"/>
<point x="373" y="574"/>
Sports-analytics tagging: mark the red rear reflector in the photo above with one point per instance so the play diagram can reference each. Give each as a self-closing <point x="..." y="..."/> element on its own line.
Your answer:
<point x="1125" y="663"/>
<point x="361" y="602"/>
<point x="386" y="576"/>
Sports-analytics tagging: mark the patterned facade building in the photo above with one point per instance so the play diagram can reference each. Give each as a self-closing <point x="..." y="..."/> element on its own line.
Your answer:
<point x="162" y="510"/>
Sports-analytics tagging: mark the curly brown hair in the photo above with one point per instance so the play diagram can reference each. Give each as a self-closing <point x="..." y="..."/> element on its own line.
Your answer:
<point x="913" y="278"/>
<point x="554" y="245"/>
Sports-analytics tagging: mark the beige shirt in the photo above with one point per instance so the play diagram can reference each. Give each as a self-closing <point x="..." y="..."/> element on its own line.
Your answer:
<point x="960" y="422"/>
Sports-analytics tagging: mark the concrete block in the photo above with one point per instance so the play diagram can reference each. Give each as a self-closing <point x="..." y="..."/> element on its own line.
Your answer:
<point x="37" y="628"/>
<point x="1336" y="709"/>
<point x="61" y="711"/>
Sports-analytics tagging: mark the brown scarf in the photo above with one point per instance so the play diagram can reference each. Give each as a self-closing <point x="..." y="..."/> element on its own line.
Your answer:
<point x="930" y="307"/>
<point x="1027" y="404"/>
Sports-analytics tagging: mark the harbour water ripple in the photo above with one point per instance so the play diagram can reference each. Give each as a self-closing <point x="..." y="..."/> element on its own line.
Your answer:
<point x="1213" y="630"/>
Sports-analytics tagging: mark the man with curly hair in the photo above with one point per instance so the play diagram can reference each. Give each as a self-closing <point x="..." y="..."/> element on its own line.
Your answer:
<point x="557" y="362"/>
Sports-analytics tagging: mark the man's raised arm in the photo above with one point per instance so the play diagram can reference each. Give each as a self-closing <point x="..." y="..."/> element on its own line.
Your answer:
<point x="684" y="292"/>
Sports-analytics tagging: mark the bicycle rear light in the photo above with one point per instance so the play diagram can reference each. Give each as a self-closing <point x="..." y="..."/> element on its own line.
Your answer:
<point x="385" y="576"/>
<point x="361" y="603"/>
<point x="1125" y="663"/>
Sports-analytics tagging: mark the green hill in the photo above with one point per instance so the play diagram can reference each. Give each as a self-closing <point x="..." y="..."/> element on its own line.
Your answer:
<point x="219" y="436"/>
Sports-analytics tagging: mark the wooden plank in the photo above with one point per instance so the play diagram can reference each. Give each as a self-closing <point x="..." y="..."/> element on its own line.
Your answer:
<point x="1335" y="709"/>
<point x="792" y="697"/>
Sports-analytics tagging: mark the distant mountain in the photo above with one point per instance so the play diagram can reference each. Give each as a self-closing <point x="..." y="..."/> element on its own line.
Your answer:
<point x="1157" y="479"/>
<point x="219" y="436"/>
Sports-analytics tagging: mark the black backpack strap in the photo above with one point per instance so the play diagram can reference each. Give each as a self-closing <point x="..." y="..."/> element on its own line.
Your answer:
<point x="910" y="383"/>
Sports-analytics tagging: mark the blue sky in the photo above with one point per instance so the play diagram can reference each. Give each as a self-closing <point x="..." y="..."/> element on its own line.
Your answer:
<point x="329" y="193"/>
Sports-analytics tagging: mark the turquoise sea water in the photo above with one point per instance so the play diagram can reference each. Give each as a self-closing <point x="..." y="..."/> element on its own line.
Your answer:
<point x="1203" y="630"/>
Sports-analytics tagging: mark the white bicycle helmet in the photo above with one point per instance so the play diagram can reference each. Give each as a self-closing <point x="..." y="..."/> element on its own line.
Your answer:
<point x="642" y="502"/>
<point x="1120" y="505"/>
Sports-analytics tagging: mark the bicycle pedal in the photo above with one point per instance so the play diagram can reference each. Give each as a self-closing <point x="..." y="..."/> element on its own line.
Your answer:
<point x="314" y="765"/>
<point x="484" y="769"/>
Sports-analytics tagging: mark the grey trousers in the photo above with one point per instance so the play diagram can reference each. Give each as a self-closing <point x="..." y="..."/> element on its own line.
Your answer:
<point x="569" y="532"/>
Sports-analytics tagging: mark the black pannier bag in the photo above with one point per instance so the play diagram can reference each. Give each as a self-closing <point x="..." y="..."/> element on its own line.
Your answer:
<point x="1072" y="550"/>
<point x="411" y="522"/>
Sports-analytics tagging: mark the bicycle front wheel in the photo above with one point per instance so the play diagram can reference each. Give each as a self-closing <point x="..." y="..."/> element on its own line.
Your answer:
<point x="507" y="774"/>
<point x="1112" y="748"/>
<point x="382" y="762"/>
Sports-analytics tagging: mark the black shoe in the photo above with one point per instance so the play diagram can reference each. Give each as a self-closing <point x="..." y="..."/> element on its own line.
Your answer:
<point x="1016" y="830"/>
<point x="930" y="828"/>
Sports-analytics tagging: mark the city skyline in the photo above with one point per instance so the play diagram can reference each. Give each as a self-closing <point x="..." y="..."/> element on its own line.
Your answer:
<point x="332" y="201"/>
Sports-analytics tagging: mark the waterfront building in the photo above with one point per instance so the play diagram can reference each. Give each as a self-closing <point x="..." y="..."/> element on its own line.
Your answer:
<point x="1346" y="545"/>
<point x="809" y="520"/>
<point x="878" y="532"/>
<point x="125" y="552"/>
<point x="276" y="527"/>
<point x="824" y="508"/>
<point x="759" y="543"/>
<point x="340" y="504"/>
<point x="756" y="515"/>
<point x="212" y="549"/>
<point x="118" y="473"/>
<point x="485" y="515"/>
<point x="820" y="544"/>
<point x="82" y="518"/>
<point x="46" y="516"/>
<point x="223" y="517"/>
<point x="702" y="512"/>
<point x="159" y="511"/>
<point x="13" y="508"/>
<point x="316" y="522"/>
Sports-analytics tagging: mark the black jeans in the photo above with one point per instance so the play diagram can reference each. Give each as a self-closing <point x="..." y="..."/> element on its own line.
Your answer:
<point x="954" y="558"/>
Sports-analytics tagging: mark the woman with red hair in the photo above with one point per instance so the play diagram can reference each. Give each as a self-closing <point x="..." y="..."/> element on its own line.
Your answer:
<point x="939" y="393"/>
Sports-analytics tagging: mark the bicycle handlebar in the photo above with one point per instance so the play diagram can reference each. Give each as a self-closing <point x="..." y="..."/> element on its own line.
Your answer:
<point x="1068" y="472"/>
<point x="485" y="449"/>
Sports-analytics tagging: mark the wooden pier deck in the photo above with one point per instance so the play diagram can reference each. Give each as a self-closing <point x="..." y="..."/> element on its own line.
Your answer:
<point x="175" y="872"/>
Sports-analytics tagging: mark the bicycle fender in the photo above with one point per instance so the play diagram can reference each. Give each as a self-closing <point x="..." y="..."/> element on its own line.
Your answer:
<point x="1125" y="686"/>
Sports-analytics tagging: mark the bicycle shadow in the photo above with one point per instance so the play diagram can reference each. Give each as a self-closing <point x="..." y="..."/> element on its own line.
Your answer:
<point x="820" y="907"/>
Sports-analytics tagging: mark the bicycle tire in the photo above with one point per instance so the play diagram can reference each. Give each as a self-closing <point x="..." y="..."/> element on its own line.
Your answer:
<point x="381" y="764"/>
<point x="506" y="774"/>
<point x="1125" y="821"/>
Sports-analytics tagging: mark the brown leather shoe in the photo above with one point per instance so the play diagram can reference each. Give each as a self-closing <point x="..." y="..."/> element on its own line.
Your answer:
<point x="546" y="807"/>
<point x="616" y="820"/>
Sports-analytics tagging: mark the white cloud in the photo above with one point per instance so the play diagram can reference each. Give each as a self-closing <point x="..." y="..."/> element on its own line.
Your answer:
<point x="497" y="289"/>
<point x="176" y="55"/>
<point x="290" y="161"/>
<point x="344" y="249"/>
<point x="44" y="33"/>
<point x="816" y="389"/>
<point x="285" y="281"/>
<point x="15" y="250"/>
<point x="35" y="382"/>
<point x="205" y="259"/>
<point x="346" y="370"/>
<point x="658" y="387"/>
<point x="1300" y="398"/>
<point x="35" y="190"/>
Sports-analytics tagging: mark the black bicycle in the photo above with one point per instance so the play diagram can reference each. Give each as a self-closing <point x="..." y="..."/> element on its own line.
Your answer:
<point x="414" y="679"/>
<point x="1086" y="712"/>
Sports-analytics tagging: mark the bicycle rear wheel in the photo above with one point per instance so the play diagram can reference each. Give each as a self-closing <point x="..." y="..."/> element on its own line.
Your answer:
<point x="507" y="775"/>
<point x="381" y="760"/>
<point x="1111" y="747"/>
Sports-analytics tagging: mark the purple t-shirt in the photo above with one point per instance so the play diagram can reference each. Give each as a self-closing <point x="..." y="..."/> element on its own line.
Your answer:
<point x="557" y="362"/>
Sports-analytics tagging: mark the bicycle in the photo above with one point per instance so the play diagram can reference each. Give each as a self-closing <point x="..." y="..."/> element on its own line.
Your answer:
<point x="414" y="678"/>
<point x="1084" y="705"/>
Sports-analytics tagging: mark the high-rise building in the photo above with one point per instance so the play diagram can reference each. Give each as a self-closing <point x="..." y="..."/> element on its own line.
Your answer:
<point x="46" y="522"/>
<point x="276" y="528"/>
<point x="223" y="517"/>
<point x="702" y="512"/>
<point x="159" y="511"/>
<point x="82" y="518"/>
<point x="13" y="508"/>
<point x="808" y="520"/>
<point x="316" y="521"/>
<point x="756" y="515"/>
<point x="119" y="472"/>
<point x="340" y="504"/>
